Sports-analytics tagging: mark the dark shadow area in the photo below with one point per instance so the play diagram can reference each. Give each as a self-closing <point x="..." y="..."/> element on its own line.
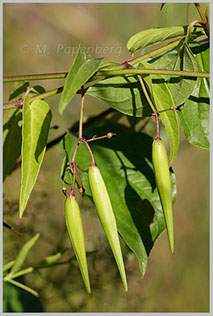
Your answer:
<point x="200" y="47"/>
<point x="12" y="143"/>
<point x="136" y="147"/>
<point x="199" y="100"/>
<point x="132" y="86"/>
<point x="15" y="95"/>
<point x="142" y="214"/>
<point x="18" y="300"/>
<point x="129" y="143"/>
<point x="20" y="91"/>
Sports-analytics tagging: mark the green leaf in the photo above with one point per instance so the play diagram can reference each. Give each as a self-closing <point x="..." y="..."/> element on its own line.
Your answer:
<point x="79" y="73"/>
<point x="180" y="58"/>
<point x="12" y="127"/>
<point x="195" y="116"/>
<point x="11" y="140"/>
<point x="126" y="167"/>
<point x="154" y="36"/>
<point x="108" y="64"/>
<point x="36" y="122"/>
<point x="8" y="265"/>
<point x="123" y="94"/>
<point x="22" y="255"/>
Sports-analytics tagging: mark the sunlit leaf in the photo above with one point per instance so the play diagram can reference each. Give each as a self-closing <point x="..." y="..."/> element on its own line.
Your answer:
<point x="36" y="122"/>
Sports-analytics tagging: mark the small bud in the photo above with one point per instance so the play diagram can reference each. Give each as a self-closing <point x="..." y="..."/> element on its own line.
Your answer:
<point x="81" y="191"/>
<point x="180" y="107"/>
<point x="109" y="135"/>
<point x="64" y="190"/>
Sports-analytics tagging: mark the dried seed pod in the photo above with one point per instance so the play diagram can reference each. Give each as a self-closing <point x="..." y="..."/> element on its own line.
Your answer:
<point x="76" y="234"/>
<point x="164" y="185"/>
<point x="107" y="217"/>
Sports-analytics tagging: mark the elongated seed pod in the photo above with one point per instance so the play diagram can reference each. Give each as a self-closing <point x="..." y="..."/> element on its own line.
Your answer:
<point x="107" y="217"/>
<point x="164" y="186"/>
<point x="76" y="234"/>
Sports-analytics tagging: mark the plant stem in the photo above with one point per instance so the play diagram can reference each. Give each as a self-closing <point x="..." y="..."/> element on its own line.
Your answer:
<point x="203" y="17"/>
<point x="73" y="180"/>
<point x="54" y="75"/>
<point x="200" y="11"/>
<point x="73" y="129"/>
<point x="75" y="152"/>
<point x="146" y="94"/>
<point x="139" y="71"/>
<point x="40" y="96"/>
<point x="62" y="75"/>
<point x="81" y="190"/>
<point x="90" y="151"/>
<point x="81" y="113"/>
<point x="143" y="88"/>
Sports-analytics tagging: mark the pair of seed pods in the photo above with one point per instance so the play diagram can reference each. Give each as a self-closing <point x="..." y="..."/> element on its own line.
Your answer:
<point x="75" y="228"/>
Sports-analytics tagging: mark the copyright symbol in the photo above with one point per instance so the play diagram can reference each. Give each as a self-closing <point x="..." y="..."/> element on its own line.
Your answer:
<point x="24" y="48"/>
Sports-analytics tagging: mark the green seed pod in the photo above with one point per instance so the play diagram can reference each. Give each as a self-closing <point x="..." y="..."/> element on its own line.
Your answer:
<point x="164" y="185"/>
<point x="107" y="217"/>
<point x="76" y="234"/>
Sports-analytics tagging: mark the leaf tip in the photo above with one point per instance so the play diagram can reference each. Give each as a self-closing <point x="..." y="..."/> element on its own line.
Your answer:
<point x="21" y="213"/>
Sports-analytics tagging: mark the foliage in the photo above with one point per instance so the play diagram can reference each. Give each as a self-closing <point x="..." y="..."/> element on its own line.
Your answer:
<point x="167" y="83"/>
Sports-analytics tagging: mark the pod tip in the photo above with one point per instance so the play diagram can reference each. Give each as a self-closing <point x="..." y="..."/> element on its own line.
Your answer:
<point x="88" y="288"/>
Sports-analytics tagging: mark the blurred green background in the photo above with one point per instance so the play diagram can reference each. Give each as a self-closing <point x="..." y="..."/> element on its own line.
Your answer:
<point x="173" y="283"/>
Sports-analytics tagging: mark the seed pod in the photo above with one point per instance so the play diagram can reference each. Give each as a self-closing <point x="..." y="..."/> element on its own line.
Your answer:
<point x="76" y="234"/>
<point x="164" y="185"/>
<point x="107" y="217"/>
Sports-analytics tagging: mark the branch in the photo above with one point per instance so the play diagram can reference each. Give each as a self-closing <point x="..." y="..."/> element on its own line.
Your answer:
<point x="133" y="61"/>
<point x="141" y="71"/>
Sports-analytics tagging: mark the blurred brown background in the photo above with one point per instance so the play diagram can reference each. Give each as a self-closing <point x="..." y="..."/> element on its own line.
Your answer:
<point x="41" y="38"/>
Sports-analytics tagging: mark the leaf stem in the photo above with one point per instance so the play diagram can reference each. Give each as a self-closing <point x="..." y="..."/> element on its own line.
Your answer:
<point x="156" y="115"/>
<point x="108" y="135"/>
<point x="11" y="228"/>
